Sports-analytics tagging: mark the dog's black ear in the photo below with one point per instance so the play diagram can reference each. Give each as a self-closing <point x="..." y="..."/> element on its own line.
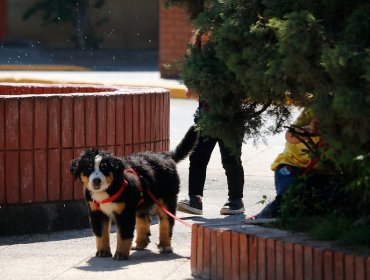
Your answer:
<point x="74" y="168"/>
<point x="117" y="165"/>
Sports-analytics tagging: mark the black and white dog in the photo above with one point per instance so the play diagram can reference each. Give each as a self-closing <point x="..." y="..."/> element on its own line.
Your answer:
<point x="119" y="189"/>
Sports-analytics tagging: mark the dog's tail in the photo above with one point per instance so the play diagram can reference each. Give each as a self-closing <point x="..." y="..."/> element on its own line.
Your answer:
<point x="186" y="145"/>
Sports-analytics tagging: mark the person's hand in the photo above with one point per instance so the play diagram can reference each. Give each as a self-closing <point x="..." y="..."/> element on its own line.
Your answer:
<point x="314" y="126"/>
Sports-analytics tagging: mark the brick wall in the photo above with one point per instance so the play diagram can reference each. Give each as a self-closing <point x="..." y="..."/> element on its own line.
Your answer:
<point x="239" y="251"/>
<point x="3" y="20"/>
<point x="43" y="127"/>
<point x="174" y="34"/>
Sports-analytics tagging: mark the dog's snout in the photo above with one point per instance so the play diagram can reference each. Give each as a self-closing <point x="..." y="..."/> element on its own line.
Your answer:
<point x="96" y="181"/>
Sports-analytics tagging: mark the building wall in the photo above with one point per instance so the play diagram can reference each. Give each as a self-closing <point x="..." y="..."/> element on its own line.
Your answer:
<point x="175" y="32"/>
<point x="3" y="19"/>
<point x="131" y="25"/>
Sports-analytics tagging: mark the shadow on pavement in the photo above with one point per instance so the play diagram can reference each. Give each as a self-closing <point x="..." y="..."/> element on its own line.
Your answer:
<point x="136" y="257"/>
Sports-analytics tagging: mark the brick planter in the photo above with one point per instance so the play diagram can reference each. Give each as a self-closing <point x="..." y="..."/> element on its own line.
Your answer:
<point x="239" y="251"/>
<point x="43" y="127"/>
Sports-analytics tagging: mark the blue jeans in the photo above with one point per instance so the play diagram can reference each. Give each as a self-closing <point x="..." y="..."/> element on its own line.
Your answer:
<point x="286" y="175"/>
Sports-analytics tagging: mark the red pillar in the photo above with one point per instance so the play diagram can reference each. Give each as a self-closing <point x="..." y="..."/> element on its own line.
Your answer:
<point x="175" y="32"/>
<point x="3" y="19"/>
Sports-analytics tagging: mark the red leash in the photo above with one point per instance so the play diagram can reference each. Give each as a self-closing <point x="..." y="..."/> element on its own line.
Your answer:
<point x="132" y="171"/>
<point x="165" y="210"/>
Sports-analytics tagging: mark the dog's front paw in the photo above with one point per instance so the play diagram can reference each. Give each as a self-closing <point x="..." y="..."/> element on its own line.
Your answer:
<point x="165" y="249"/>
<point x="103" y="254"/>
<point x="120" y="256"/>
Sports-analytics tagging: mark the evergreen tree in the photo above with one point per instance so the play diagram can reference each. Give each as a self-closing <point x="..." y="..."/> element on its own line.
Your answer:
<point x="263" y="56"/>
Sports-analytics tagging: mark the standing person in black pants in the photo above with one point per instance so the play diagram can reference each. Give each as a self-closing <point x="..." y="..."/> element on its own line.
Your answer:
<point x="232" y="164"/>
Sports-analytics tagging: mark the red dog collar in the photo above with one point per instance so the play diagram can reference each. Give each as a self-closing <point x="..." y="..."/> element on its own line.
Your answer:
<point x="120" y="191"/>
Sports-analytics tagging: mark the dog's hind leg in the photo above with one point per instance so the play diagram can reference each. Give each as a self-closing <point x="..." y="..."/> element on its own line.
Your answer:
<point x="165" y="229"/>
<point x="142" y="230"/>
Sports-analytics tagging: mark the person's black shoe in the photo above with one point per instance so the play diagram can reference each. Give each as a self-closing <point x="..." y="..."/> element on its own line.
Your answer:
<point x="193" y="205"/>
<point x="233" y="206"/>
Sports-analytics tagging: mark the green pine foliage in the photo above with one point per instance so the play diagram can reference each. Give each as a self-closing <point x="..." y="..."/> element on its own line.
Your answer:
<point x="265" y="55"/>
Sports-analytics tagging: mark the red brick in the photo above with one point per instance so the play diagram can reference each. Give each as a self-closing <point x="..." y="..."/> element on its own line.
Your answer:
<point x="142" y="118"/>
<point x="328" y="265"/>
<point x="120" y="122"/>
<point x="318" y="259"/>
<point x="153" y="131"/>
<point x="308" y="262"/>
<point x="40" y="161"/>
<point x="102" y="121"/>
<point x="136" y="118"/>
<point x="2" y="124"/>
<point x="67" y="122"/>
<point x="214" y="254"/>
<point x="12" y="124"/>
<point x="279" y="260"/>
<point x="54" y="122"/>
<point x="298" y="261"/>
<point x="26" y="123"/>
<point x="111" y="121"/>
<point x="206" y="268"/>
<point x="288" y="261"/>
<point x="78" y="189"/>
<point x="157" y="123"/>
<point x="128" y="119"/>
<point x="220" y="255"/>
<point x="270" y="258"/>
<point x="26" y="176"/>
<point x="226" y="247"/>
<point x="349" y="266"/>
<point x="41" y="123"/>
<point x="199" y="252"/>
<point x="12" y="177"/>
<point x="66" y="176"/>
<point x="91" y="115"/>
<point x="54" y="176"/>
<point x="252" y="256"/>
<point x="79" y="122"/>
<point x="360" y="270"/>
<point x="2" y="177"/>
<point x="244" y="256"/>
<point x="261" y="258"/>
<point x="129" y="149"/>
<point x="148" y="116"/>
<point x="235" y="256"/>
<point x="338" y="265"/>
<point x="194" y="249"/>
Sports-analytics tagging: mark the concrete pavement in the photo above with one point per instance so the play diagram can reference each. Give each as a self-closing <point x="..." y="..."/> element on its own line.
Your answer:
<point x="70" y="254"/>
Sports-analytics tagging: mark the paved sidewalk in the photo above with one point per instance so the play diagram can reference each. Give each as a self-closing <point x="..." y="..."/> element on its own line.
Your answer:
<point x="70" y="254"/>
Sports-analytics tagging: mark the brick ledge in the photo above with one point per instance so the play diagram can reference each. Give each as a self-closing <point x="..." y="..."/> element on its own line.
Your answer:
<point x="240" y="251"/>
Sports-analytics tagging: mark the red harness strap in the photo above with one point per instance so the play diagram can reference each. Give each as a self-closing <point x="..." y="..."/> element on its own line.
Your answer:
<point x="125" y="183"/>
<point x="113" y="197"/>
<point x="120" y="191"/>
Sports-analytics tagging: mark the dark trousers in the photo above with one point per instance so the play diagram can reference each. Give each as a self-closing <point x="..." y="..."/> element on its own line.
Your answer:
<point x="232" y="164"/>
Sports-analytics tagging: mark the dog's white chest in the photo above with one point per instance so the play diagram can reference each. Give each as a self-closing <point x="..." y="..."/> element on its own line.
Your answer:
<point x="107" y="208"/>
